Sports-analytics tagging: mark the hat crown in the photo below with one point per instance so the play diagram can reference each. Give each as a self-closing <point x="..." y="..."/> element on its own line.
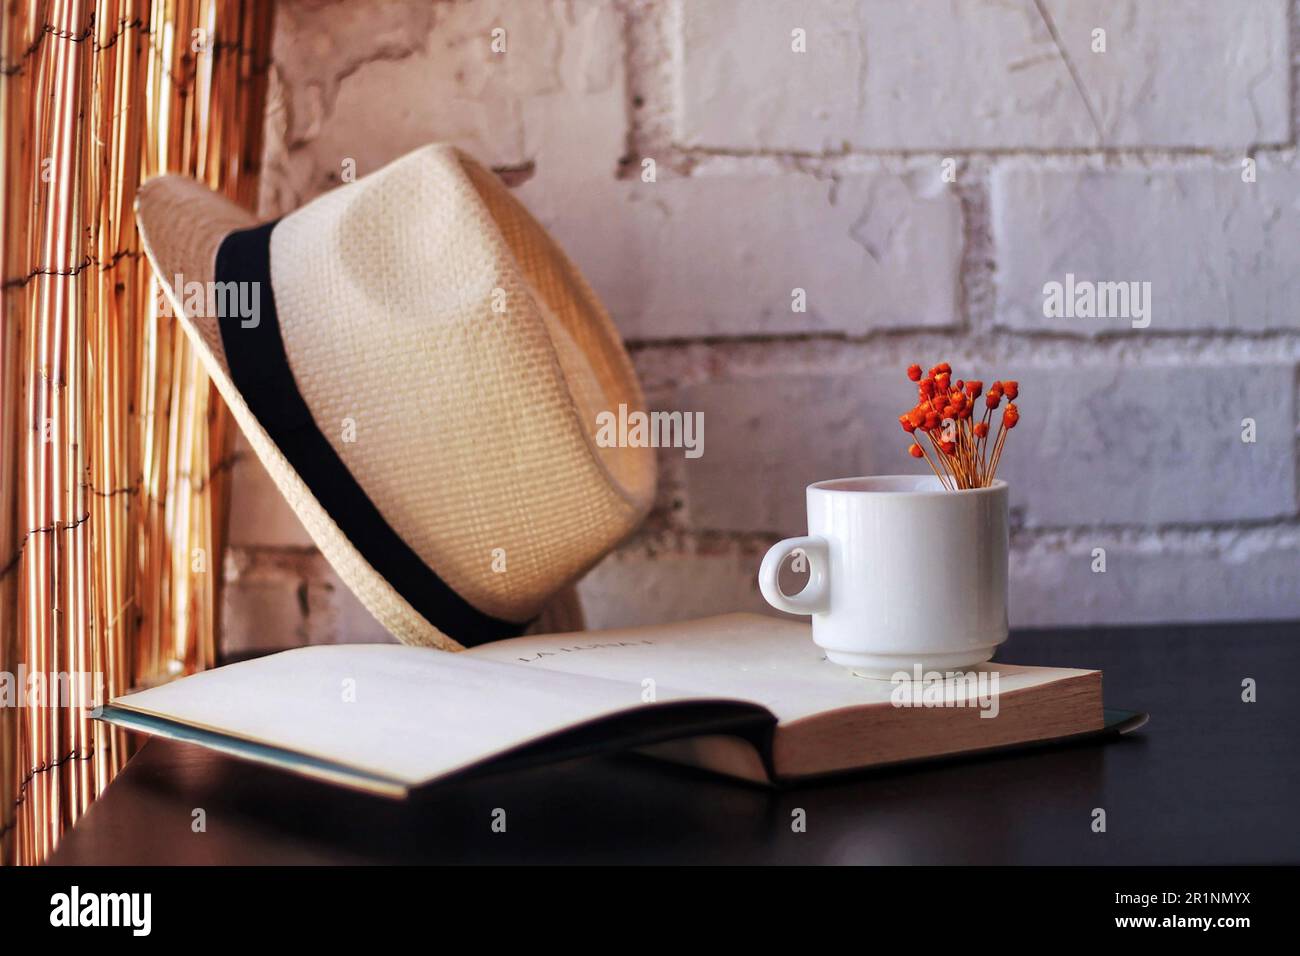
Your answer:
<point x="456" y="362"/>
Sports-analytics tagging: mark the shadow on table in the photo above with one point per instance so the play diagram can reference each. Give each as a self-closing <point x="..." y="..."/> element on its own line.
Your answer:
<point x="618" y="809"/>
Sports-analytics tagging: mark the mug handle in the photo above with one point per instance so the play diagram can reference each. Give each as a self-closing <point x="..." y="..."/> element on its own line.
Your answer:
<point x="815" y="597"/>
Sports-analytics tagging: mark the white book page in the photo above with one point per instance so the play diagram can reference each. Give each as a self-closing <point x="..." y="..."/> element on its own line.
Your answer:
<point x="765" y="660"/>
<point x="414" y="714"/>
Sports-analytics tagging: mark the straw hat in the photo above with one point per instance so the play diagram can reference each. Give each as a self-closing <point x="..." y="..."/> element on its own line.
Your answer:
<point x="420" y="369"/>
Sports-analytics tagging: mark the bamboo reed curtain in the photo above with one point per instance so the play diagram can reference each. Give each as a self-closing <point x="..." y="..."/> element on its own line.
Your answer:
<point x="113" y="444"/>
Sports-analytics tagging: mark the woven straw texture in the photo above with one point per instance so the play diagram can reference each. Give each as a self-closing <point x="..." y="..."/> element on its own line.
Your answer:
<point x="455" y="360"/>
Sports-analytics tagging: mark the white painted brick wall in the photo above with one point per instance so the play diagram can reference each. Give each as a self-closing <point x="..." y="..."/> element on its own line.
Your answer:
<point x="369" y="80"/>
<point x="869" y="252"/>
<point x="664" y="581"/>
<point x="1219" y="252"/>
<point x="823" y="171"/>
<point x="973" y="74"/>
<point x="1095" y="447"/>
<point x="1178" y="576"/>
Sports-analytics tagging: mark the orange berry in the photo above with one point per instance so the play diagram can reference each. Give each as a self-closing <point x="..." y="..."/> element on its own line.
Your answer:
<point x="948" y="447"/>
<point x="992" y="398"/>
<point x="1012" y="389"/>
<point x="973" y="388"/>
<point x="981" y="429"/>
<point x="906" y="423"/>
<point x="914" y="372"/>
<point x="916" y="417"/>
<point x="914" y="450"/>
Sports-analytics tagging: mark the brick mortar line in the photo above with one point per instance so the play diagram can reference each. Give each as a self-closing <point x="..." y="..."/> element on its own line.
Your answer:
<point x="275" y="550"/>
<point x="1223" y="538"/>
<point x="977" y="268"/>
<point x="701" y="164"/>
<point x="675" y="154"/>
<point x="1293" y="51"/>
<point x="1187" y="538"/>
<point x="996" y="344"/>
<point x="1185" y="340"/>
<point x="649" y="74"/>
<point x="1296" y="445"/>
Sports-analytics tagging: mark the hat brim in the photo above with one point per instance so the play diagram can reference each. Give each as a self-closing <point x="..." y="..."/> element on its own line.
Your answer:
<point x="182" y="224"/>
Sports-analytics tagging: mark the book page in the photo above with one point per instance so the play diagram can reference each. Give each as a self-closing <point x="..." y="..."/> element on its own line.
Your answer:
<point x="766" y="660"/>
<point x="405" y="713"/>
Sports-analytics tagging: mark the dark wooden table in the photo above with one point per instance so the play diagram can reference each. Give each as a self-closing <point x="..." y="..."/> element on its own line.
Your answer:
<point x="1210" y="779"/>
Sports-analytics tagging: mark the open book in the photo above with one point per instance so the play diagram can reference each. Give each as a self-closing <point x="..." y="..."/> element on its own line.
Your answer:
<point x="740" y="694"/>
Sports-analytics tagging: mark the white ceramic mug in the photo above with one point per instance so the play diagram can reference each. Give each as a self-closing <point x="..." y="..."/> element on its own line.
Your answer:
<point x="901" y="573"/>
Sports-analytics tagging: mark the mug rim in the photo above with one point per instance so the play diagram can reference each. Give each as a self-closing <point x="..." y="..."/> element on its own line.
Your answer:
<point x="835" y="485"/>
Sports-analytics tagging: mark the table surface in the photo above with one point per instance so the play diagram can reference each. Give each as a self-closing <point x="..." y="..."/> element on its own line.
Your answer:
<point x="1211" y="779"/>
